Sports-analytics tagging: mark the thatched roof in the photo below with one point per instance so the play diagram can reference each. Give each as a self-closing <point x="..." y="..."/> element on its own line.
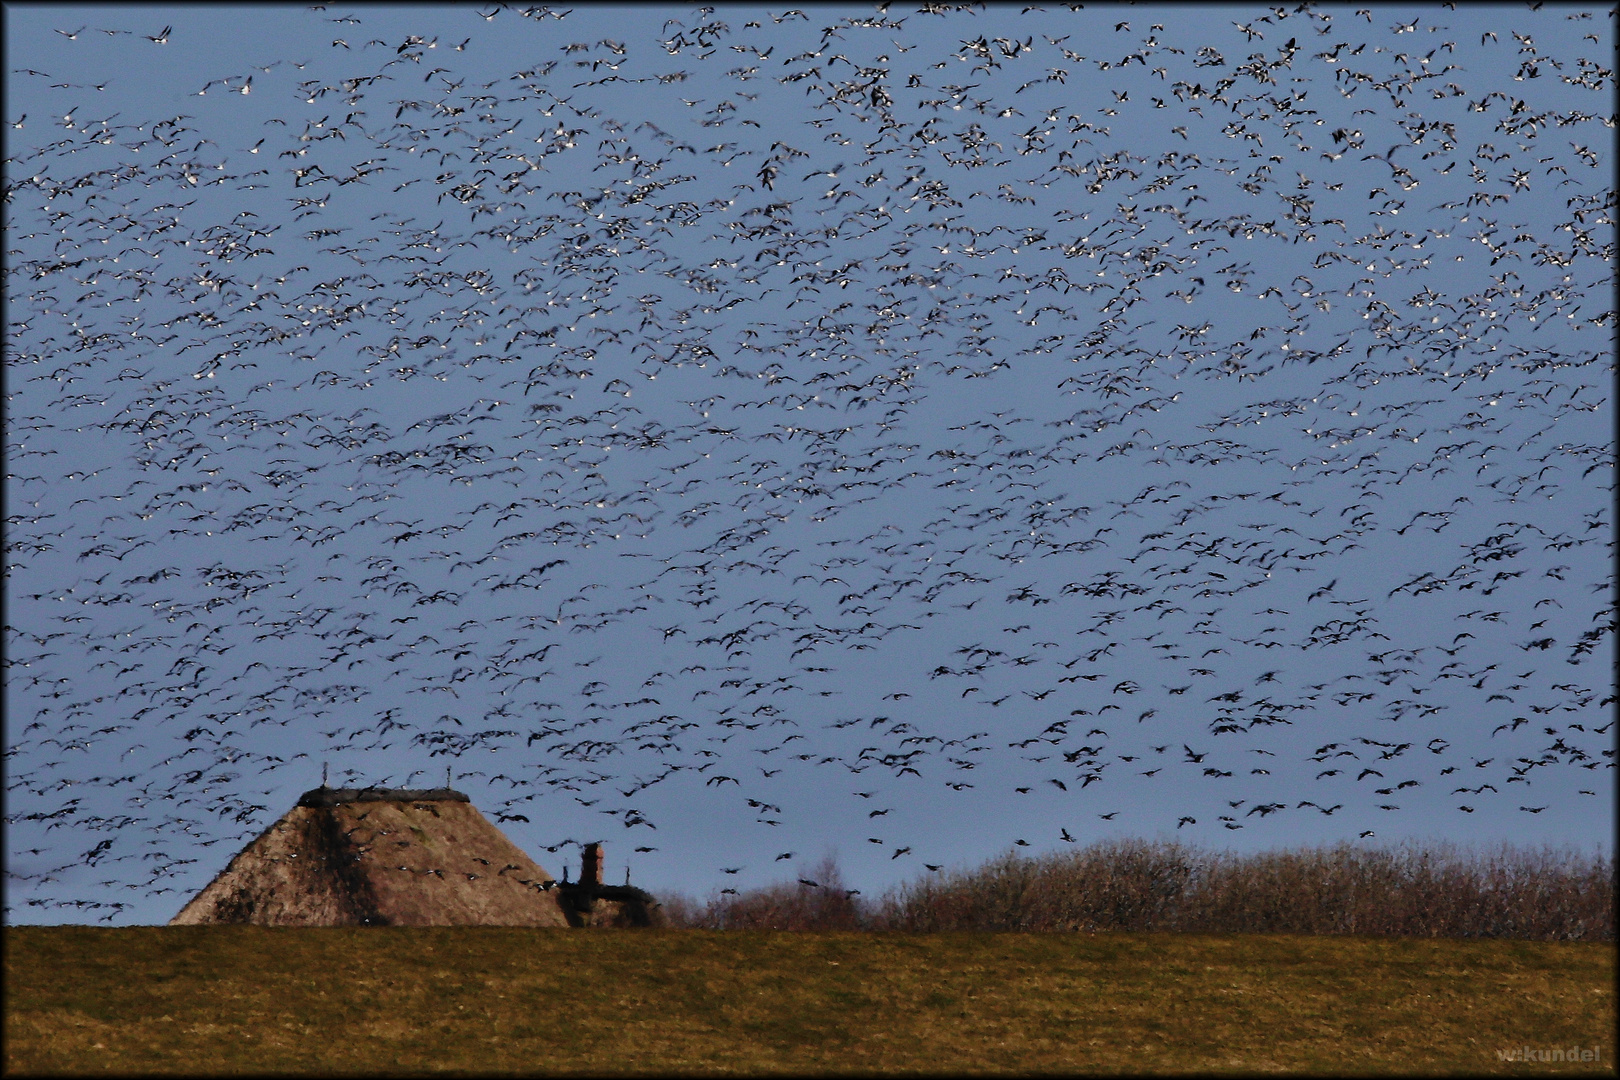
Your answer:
<point x="332" y="796"/>
<point x="380" y="857"/>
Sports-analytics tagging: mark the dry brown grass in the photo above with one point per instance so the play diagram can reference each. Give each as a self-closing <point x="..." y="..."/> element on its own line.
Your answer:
<point x="1411" y="890"/>
<point x="391" y="1001"/>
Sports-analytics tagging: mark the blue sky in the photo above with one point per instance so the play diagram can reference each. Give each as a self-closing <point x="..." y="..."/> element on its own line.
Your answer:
<point x="734" y="433"/>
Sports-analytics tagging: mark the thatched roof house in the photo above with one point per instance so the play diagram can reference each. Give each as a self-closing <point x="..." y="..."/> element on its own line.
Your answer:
<point x="381" y="857"/>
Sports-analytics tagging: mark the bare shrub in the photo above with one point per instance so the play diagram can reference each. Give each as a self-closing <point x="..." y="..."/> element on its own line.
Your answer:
<point x="679" y="911"/>
<point x="1414" y="890"/>
<point x="825" y="905"/>
<point x="1114" y="885"/>
<point x="1409" y="890"/>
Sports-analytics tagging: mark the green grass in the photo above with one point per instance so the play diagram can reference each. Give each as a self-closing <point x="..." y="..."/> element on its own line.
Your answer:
<point x="346" y="1001"/>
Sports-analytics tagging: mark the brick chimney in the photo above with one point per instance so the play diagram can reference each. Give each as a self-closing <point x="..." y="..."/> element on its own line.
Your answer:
<point x="590" y="868"/>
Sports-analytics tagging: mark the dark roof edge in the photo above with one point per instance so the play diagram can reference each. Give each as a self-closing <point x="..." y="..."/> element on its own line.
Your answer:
<point x="620" y="893"/>
<point x="325" y="796"/>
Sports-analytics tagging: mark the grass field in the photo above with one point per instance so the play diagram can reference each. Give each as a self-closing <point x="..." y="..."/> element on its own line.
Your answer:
<point x="239" y="999"/>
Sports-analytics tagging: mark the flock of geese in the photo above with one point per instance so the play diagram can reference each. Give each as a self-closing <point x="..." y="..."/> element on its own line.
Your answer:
<point x="729" y="430"/>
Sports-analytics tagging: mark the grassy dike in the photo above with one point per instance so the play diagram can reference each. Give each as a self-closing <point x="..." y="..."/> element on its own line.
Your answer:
<point x="230" y="999"/>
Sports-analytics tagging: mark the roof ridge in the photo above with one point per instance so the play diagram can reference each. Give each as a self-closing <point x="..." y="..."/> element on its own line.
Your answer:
<point x="328" y="796"/>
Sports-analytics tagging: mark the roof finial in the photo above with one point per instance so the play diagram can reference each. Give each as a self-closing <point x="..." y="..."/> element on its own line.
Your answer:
<point x="323" y="774"/>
